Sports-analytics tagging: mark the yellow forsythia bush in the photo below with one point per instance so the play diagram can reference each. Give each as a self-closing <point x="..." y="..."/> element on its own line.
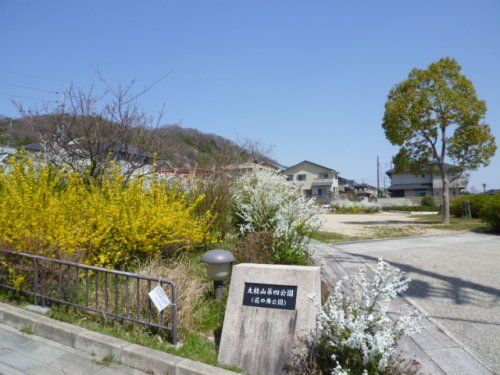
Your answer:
<point x="110" y="223"/>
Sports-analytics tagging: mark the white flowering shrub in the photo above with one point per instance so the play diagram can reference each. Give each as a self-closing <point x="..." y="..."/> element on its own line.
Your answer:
<point x="354" y="333"/>
<point x="347" y="206"/>
<point x="264" y="202"/>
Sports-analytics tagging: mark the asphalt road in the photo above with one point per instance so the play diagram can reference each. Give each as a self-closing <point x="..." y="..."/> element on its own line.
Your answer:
<point x="26" y="354"/>
<point x="455" y="279"/>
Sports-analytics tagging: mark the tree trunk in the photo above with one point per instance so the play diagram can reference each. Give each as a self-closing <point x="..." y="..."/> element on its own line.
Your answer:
<point x="446" y="198"/>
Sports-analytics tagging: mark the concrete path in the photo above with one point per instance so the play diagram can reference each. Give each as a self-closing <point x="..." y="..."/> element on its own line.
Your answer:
<point x="28" y="354"/>
<point x="455" y="280"/>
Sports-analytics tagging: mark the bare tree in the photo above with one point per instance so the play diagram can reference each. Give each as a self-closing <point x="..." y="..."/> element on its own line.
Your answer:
<point x="89" y="129"/>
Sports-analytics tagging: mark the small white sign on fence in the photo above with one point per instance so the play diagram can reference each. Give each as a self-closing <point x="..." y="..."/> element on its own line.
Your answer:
<point x="159" y="298"/>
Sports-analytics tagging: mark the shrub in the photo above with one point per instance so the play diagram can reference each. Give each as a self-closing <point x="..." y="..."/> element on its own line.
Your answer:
<point x="491" y="212"/>
<point x="111" y="223"/>
<point x="254" y="247"/>
<point x="428" y="202"/>
<point x="350" y="207"/>
<point x="355" y="335"/>
<point x="476" y="202"/>
<point x="265" y="202"/>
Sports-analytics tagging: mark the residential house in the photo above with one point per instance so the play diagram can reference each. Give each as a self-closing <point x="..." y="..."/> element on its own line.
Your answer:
<point x="314" y="180"/>
<point x="236" y="170"/>
<point x="346" y="187"/>
<point x="365" y="190"/>
<point x="407" y="185"/>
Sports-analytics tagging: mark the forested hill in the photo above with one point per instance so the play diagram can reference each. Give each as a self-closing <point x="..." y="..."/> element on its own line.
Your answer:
<point x="182" y="147"/>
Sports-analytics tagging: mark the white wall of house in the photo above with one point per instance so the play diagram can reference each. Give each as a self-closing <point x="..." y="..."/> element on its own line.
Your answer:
<point x="407" y="178"/>
<point x="313" y="180"/>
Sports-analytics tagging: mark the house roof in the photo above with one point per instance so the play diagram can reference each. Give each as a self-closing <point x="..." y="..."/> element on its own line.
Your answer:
<point x="446" y="166"/>
<point x="200" y="172"/>
<point x="37" y="147"/>
<point x="345" y="181"/>
<point x="310" y="162"/>
<point x="409" y="187"/>
<point x="252" y="165"/>
<point x="364" y="185"/>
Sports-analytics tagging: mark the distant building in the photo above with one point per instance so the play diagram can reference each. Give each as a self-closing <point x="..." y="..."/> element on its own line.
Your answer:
<point x="346" y="187"/>
<point x="236" y="170"/>
<point x="187" y="172"/>
<point x="365" y="190"/>
<point x="408" y="185"/>
<point x="492" y="191"/>
<point x="314" y="180"/>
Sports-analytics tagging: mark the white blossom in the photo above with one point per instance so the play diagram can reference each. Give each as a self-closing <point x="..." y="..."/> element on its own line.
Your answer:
<point x="356" y="317"/>
<point x="264" y="201"/>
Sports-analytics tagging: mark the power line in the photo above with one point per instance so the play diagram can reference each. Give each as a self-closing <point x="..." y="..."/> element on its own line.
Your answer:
<point x="28" y="87"/>
<point x="28" y="97"/>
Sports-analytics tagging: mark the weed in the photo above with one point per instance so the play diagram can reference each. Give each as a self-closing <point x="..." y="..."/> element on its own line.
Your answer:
<point x="28" y="330"/>
<point x="106" y="360"/>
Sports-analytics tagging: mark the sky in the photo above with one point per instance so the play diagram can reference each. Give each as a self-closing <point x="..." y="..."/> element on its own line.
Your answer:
<point x="308" y="77"/>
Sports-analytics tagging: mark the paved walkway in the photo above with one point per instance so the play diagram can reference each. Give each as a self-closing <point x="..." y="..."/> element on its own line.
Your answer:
<point x="455" y="280"/>
<point x="27" y="354"/>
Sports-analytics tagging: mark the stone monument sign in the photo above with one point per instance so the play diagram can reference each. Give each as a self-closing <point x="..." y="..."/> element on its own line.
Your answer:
<point x="268" y="309"/>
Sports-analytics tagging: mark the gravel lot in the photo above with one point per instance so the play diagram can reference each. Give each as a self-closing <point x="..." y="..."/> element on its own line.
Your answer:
<point x="359" y="224"/>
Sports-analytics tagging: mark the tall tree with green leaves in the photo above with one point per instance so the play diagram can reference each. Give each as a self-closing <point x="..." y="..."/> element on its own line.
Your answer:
<point x="435" y="116"/>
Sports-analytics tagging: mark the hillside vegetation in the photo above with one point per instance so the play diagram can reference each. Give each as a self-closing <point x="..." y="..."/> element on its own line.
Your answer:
<point x="182" y="147"/>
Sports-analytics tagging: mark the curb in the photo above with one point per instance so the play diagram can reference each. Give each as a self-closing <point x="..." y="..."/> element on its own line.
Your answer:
<point x="139" y="357"/>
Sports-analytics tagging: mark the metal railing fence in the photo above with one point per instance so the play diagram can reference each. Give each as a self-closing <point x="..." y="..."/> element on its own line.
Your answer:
<point x="111" y="293"/>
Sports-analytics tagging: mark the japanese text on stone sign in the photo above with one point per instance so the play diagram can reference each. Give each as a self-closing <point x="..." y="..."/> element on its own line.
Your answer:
<point x="270" y="296"/>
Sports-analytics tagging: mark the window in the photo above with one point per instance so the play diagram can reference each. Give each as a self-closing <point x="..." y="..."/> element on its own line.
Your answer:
<point x="323" y="175"/>
<point x="301" y="177"/>
<point x="308" y="193"/>
<point x="289" y="177"/>
<point x="320" y="192"/>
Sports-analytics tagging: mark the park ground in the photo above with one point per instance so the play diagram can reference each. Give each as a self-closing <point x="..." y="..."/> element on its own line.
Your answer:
<point x="356" y="227"/>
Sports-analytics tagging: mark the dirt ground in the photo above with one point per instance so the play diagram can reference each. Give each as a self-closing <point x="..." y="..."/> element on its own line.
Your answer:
<point x="365" y="224"/>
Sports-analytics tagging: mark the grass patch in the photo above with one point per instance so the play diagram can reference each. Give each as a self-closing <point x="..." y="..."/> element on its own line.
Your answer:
<point x="333" y="237"/>
<point x="370" y="233"/>
<point x="456" y="223"/>
<point x="106" y="360"/>
<point x="197" y="348"/>
<point x="385" y="231"/>
<point x="29" y="330"/>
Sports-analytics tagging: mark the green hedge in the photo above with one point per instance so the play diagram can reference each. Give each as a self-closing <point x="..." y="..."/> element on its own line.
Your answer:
<point x="477" y="204"/>
<point x="485" y="207"/>
<point x="411" y="208"/>
<point x="491" y="212"/>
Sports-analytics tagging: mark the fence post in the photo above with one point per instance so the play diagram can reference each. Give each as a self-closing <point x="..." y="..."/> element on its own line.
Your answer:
<point x="35" y="269"/>
<point x="174" y="314"/>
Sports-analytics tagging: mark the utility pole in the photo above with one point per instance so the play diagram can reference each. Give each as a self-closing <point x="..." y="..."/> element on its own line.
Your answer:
<point x="378" y="178"/>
